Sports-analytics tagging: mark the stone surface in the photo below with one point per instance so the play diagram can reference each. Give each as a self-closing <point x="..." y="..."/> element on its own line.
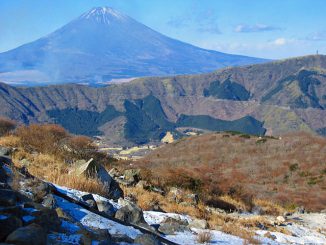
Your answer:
<point x="171" y="226"/>
<point x="198" y="224"/>
<point x="89" y="199"/>
<point x="8" y="223"/>
<point x="49" y="201"/>
<point x="106" y="207"/>
<point x="130" y="213"/>
<point x="7" y="197"/>
<point x="31" y="234"/>
<point x="147" y="239"/>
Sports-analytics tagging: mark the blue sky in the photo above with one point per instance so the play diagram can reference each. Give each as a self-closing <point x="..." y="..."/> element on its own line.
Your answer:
<point x="263" y="28"/>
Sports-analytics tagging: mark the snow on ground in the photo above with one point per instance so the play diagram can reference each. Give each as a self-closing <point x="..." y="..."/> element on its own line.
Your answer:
<point x="304" y="232"/>
<point x="91" y="220"/>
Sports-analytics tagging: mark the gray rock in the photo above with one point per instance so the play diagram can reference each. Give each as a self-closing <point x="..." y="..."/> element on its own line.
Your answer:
<point x="143" y="184"/>
<point x="115" y="192"/>
<point x="89" y="199"/>
<point x="170" y="226"/>
<point x="132" y="175"/>
<point x="147" y="239"/>
<point x="114" y="172"/>
<point x="131" y="214"/>
<point x="103" y="236"/>
<point x="5" y="151"/>
<point x="106" y="207"/>
<point x="25" y="162"/>
<point x="8" y="223"/>
<point x="300" y="210"/>
<point x="32" y="234"/>
<point x="198" y="224"/>
<point x="47" y="218"/>
<point x="7" y="197"/>
<point x="95" y="170"/>
<point x="92" y="169"/>
<point x="121" y="238"/>
<point x="49" y="201"/>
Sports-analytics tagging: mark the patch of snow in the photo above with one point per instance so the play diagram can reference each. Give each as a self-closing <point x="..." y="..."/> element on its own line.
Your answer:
<point x="28" y="218"/>
<point x="76" y="194"/>
<point x="2" y="217"/>
<point x="104" y="15"/>
<point x="30" y="210"/>
<point x="91" y="220"/>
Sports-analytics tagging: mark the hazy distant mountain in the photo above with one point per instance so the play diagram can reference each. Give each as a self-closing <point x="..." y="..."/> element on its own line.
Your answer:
<point x="279" y="97"/>
<point x="103" y="44"/>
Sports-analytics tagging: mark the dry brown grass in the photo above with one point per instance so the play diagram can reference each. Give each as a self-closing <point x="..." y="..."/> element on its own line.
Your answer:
<point x="49" y="168"/>
<point x="49" y="150"/>
<point x="276" y="170"/>
<point x="9" y="141"/>
<point x="6" y="126"/>
<point x="204" y="237"/>
<point x="237" y="230"/>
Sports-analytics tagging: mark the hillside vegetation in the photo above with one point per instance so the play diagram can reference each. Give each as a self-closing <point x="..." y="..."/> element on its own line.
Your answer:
<point x="279" y="97"/>
<point x="290" y="171"/>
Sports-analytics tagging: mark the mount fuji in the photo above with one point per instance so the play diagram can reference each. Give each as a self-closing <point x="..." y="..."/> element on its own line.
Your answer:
<point x="104" y="44"/>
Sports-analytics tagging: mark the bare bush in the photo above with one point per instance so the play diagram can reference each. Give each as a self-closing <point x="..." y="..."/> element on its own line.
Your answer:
<point x="204" y="237"/>
<point x="6" y="126"/>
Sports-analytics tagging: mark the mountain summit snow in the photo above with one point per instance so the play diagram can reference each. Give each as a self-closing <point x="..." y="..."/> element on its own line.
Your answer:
<point x="104" y="15"/>
<point x="103" y="44"/>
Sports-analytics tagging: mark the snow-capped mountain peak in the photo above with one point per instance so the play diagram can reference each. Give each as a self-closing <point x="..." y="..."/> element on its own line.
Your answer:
<point x="103" y="15"/>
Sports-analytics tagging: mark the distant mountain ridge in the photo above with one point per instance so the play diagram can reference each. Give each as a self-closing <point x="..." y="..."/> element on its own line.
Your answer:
<point x="103" y="44"/>
<point x="276" y="98"/>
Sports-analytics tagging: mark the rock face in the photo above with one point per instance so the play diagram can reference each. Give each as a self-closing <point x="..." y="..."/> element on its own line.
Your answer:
<point x="89" y="199"/>
<point x="92" y="169"/>
<point x="130" y="213"/>
<point x="32" y="234"/>
<point x="146" y="239"/>
<point x="171" y="226"/>
<point x="8" y="223"/>
<point x="106" y="207"/>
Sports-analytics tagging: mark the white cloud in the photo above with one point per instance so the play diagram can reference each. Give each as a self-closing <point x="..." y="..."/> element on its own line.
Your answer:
<point x="280" y="41"/>
<point x="255" y="28"/>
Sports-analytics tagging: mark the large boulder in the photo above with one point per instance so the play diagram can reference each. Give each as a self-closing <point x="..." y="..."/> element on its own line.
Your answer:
<point x="198" y="224"/>
<point x="170" y="226"/>
<point x="179" y="196"/>
<point x="147" y="239"/>
<point x="49" y="201"/>
<point x="131" y="213"/>
<point x="95" y="170"/>
<point x="8" y="223"/>
<point x="92" y="169"/>
<point x="31" y="234"/>
<point x="8" y="197"/>
<point x="106" y="207"/>
<point x="45" y="217"/>
<point x="132" y="175"/>
<point x="5" y="155"/>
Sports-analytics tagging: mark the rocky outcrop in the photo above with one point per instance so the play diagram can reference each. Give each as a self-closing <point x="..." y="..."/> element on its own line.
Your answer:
<point x="130" y="213"/>
<point x="92" y="169"/>
<point x="31" y="234"/>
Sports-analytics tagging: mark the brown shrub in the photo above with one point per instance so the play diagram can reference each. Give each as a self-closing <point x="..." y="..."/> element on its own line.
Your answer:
<point x="45" y="138"/>
<point x="237" y="230"/>
<point x="6" y="126"/>
<point x="204" y="237"/>
<point x="211" y="164"/>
